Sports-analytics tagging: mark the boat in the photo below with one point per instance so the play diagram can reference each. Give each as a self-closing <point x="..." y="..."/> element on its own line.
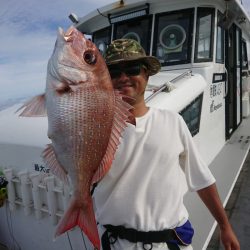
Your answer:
<point x="203" y="47"/>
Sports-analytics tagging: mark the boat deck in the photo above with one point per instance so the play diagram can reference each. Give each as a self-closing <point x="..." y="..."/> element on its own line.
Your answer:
<point x="230" y="160"/>
<point x="238" y="210"/>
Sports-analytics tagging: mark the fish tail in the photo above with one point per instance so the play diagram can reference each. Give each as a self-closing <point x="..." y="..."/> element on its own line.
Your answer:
<point x="82" y="216"/>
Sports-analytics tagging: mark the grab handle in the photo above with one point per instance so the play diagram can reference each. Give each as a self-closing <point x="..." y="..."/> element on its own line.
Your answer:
<point x="226" y="84"/>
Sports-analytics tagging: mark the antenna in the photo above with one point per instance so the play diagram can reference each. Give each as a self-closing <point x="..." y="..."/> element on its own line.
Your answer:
<point x="73" y="17"/>
<point x="228" y="17"/>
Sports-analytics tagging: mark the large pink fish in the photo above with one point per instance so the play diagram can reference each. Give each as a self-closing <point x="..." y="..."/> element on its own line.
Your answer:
<point x="86" y="118"/>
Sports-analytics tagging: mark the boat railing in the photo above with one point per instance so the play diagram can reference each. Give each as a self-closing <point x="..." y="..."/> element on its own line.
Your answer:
<point x="168" y="86"/>
<point x="37" y="193"/>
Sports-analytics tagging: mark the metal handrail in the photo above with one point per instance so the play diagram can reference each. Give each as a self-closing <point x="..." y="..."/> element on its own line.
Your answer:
<point x="167" y="85"/>
<point x="226" y="83"/>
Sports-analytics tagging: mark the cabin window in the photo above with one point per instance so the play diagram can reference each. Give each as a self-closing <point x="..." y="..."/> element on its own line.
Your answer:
<point x="173" y="37"/>
<point x="238" y="47"/>
<point x="138" y="29"/>
<point x="220" y="48"/>
<point x="192" y="115"/>
<point x="101" y="38"/>
<point x="244" y="55"/>
<point x="204" y="35"/>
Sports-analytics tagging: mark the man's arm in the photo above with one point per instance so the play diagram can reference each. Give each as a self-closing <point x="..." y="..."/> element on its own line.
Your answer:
<point x="211" y="199"/>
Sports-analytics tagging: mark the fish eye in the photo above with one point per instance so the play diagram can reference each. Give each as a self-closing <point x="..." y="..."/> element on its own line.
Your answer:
<point x="89" y="57"/>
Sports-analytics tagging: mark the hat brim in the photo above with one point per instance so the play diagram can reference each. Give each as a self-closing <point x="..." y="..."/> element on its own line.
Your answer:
<point x="152" y="63"/>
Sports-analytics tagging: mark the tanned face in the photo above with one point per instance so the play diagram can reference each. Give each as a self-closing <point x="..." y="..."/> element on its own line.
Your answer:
<point x="131" y="85"/>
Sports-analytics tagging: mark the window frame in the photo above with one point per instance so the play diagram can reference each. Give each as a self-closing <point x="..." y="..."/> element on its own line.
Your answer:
<point x="195" y="129"/>
<point x="217" y="60"/>
<point x="201" y="10"/>
<point x="133" y="20"/>
<point x="244" y="54"/>
<point x="109" y="30"/>
<point x="189" y="13"/>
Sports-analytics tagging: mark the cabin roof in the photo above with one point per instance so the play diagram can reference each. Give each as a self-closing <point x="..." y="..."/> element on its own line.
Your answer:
<point x="88" y="23"/>
<point x="98" y="18"/>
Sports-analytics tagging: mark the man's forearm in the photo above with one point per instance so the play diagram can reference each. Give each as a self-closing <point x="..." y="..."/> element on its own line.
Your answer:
<point x="211" y="199"/>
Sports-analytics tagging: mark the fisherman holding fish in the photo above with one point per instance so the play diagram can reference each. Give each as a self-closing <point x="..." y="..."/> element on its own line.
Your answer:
<point x="139" y="199"/>
<point x="139" y="202"/>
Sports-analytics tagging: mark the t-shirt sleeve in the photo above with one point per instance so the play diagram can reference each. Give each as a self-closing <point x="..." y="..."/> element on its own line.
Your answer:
<point x="197" y="173"/>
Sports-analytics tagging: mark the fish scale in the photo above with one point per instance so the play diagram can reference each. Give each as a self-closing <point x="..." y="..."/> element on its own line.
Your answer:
<point x="86" y="118"/>
<point x="79" y="117"/>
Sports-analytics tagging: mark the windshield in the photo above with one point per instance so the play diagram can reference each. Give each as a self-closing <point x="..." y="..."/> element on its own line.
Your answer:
<point x="173" y="37"/>
<point x="204" y="35"/>
<point x="139" y="30"/>
<point x="102" y="39"/>
<point x="173" y="32"/>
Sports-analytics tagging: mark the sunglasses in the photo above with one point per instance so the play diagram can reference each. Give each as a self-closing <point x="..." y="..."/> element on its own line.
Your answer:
<point x="130" y="70"/>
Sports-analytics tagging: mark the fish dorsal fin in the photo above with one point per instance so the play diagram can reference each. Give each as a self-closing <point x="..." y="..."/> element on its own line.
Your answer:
<point x="34" y="107"/>
<point x="56" y="168"/>
<point x="121" y="116"/>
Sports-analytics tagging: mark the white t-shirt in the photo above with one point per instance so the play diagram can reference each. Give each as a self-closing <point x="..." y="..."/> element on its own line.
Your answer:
<point x="145" y="186"/>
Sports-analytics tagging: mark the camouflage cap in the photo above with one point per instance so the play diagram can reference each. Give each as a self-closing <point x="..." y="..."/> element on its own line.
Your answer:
<point x="125" y="50"/>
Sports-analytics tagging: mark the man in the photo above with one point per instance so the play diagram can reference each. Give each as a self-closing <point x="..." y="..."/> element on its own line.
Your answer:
<point x="139" y="203"/>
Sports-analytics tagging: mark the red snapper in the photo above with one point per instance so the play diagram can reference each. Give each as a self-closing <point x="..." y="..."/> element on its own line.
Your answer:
<point x="86" y="117"/>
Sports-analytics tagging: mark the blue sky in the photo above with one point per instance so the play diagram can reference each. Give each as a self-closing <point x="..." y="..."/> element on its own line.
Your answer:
<point x="28" y="31"/>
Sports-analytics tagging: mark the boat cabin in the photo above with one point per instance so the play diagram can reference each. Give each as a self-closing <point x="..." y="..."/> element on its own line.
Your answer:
<point x="202" y="43"/>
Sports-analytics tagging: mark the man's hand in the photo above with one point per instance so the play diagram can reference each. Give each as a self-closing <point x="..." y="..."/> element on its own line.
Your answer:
<point x="211" y="199"/>
<point x="229" y="239"/>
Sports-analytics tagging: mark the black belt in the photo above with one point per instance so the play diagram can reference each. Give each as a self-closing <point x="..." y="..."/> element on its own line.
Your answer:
<point x="146" y="238"/>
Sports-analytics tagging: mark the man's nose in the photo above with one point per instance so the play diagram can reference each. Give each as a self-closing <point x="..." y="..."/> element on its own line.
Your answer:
<point x="123" y="76"/>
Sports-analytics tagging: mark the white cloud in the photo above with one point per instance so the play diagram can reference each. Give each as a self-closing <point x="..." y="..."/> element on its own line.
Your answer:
<point x="27" y="14"/>
<point x="23" y="63"/>
<point x="28" y="32"/>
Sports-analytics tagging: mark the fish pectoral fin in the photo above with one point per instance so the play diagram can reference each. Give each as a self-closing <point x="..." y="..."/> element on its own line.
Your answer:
<point x="51" y="161"/>
<point x="82" y="216"/>
<point x="127" y="108"/>
<point x="34" y="107"/>
<point x="131" y="120"/>
<point x="121" y="117"/>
